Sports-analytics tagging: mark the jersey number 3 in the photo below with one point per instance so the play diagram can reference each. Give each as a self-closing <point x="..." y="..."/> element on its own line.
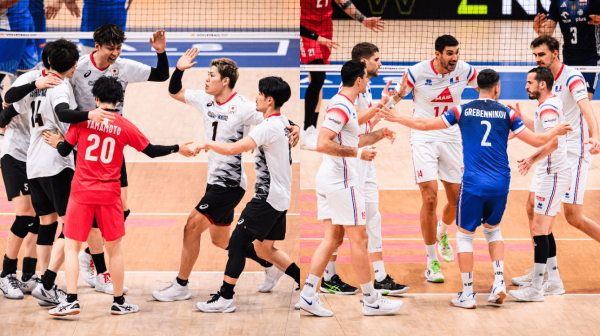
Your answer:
<point x="108" y="149"/>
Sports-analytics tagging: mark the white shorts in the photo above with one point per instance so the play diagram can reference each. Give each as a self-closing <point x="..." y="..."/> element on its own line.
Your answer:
<point x="433" y="158"/>
<point x="344" y="207"/>
<point x="579" y="172"/>
<point x="549" y="190"/>
<point x="367" y="180"/>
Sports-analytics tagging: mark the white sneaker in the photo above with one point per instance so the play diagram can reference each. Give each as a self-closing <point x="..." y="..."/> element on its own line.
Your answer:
<point x="309" y="137"/>
<point x="87" y="267"/>
<point x="272" y="275"/>
<point x="382" y="306"/>
<point x="43" y="303"/>
<point x="54" y="296"/>
<point x="444" y="248"/>
<point x="297" y="305"/>
<point x="527" y="278"/>
<point x="467" y="302"/>
<point x="551" y="287"/>
<point x="498" y="293"/>
<point x="66" y="308"/>
<point x="217" y="304"/>
<point x="28" y="286"/>
<point x="174" y="292"/>
<point x="104" y="284"/>
<point x="527" y="293"/>
<point x="314" y="306"/>
<point x="10" y="286"/>
<point x="126" y="308"/>
<point x="433" y="273"/>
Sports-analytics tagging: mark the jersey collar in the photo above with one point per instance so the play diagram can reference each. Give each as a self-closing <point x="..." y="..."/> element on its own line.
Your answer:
<point x="227" y="101"/>
<point x="548" y="97"/>
<point x="433" y="68"/>
<point x="346" y="98"/>
<point x="560" y="72"/>
<point x="274" y="115"/>
<point x="94" y="63"/>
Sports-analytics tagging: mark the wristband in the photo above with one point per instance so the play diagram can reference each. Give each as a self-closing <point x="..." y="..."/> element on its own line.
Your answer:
<point x="359" y="152"/>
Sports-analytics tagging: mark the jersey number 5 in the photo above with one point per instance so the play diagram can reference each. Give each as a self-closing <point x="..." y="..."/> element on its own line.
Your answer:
<point x="108" y="149"/>
<point x="36" y="117"/>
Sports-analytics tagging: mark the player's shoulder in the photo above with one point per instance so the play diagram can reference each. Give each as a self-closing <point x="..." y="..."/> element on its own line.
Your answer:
<point x="553" y="102"/>
<point x="28" y="77"/>
<point x="424" y="67"/>
<point x="570" y="73"/>
<point x="239" y="102"/>
<point x="84" y="59"/>
<point x="340" y="101"/>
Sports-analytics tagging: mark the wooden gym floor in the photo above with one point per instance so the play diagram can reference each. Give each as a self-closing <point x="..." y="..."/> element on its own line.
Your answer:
<point x="162" y="192"/>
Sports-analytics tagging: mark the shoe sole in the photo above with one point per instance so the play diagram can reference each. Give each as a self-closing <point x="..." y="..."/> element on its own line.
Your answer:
<point x="125" y="313"/>
<point x="76" y="312"/>
<point x="500" y="299"/>
<point x="386" y="313"/>
<point x="392" y="292"/>
<point x="187" y="297"/>
<point x="228" y="310"/>
<point x="44" y="303"/>
<point x="439" y="280"/>
<point x="14" y="298"/>
<point x="525" y="300"/>
<point x="328" y="291"/>
<point x="518" y="283"/>
<point x="559" y="292"/>
<point x="472" y="307"/>
<point x="308" y="311"/>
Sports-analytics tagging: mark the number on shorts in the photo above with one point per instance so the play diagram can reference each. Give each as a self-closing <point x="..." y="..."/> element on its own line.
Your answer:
<point x="36" y="117"/>
<point x="487" y="133"/>
<point x="107" y="151"/>
<point x="437" y="110"/>
<point x="215" y="124"/>
<point x="574" y="32"/>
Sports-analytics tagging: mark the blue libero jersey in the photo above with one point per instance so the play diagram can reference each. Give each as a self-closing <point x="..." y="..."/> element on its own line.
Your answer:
<point x="485" y="126"/>
<point x="580" y="38"/>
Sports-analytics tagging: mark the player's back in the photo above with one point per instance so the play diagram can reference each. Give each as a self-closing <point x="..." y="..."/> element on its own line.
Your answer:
<point x="100" y="156"/>
<point x="485" y="126"/>
<point x="580" y="37"/>
<point x="315" y="11"/>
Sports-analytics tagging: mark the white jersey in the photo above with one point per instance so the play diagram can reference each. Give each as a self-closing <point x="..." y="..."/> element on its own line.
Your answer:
<point x="16" y="137"/>
<point x="225" y="123"/>
<point x="42" y="159"/>
<point x="4" y="24"/>
<point x="434" y="94"/>
<point x="273" y="162"/>
<point x="363" y="102"/>
<point x="86" y="74"/>
<point x="336" y="172"/>
<point x="570" y="88"/>
<point x="547" y="115"/>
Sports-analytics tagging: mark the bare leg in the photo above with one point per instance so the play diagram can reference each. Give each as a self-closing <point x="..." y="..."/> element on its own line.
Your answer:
<point x="196" y="224"/>
<point x="124" y="198"/>
<point x="266" y="250"/>
<point x="30" y="245"/>
<point x="428" y="216"/>
<point x="95" y="241"/>
<point x="71" y="249"/>
<point x="360" y="254"/>
<point x="219" y="235"/>
<point x="333" y="234"/>
<point x="452" y="194"/>
<point x="117" y="265"/>
<point x="575" y="217"/>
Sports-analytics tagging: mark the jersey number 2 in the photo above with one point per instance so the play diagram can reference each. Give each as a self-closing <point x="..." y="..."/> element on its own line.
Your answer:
<point x="108" y="149"/>
<point x="488" y="127"/>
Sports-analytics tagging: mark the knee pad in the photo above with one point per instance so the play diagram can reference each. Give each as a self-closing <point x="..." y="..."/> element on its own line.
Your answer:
<point x="238" y="244"/>
<point x="374" y="233"/>
<point x="36" y="225"/>
<point x="20" y="227"/>
<point x="464" y="242"/>
<point x="46" y="234"/>
<point x="493" y="234"/>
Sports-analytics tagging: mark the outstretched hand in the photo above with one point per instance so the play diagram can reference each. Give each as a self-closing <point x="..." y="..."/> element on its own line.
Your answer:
<point x="374" y="23"/>
<point x="159" y="41"/>
<point x="524" y="166"/>
<point x="185" y="150"/>
<point x="187" y="60"/>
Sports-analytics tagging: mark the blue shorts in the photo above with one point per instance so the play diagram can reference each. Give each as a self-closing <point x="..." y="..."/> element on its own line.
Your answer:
<point x="95" y="15"/>
<point x="475" y="210"/>
<point x="591" y="78"/>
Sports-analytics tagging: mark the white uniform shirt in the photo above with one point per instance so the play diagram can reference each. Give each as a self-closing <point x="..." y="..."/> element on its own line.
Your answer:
<point x="336" y="172"/>
<point x="363" y="102"/>
<point x="569" y="87"/>
<point x="16" y="138"/>
<point x="86" y="74"/>
<point x="547" y="115"/>
<point x="434" y="94"/>
<point x="273" y="162"/>
<point x="42" y="159"/>
<point x="226" y="123"/>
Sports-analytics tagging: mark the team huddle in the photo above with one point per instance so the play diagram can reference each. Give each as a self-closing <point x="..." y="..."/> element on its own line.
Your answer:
<point x="62" y="156"/>
<point x="465" y="146"/>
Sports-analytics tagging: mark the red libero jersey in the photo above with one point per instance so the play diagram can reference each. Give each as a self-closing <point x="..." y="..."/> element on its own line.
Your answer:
<point x="316" y="16"/>
<point x="99" y="158"/>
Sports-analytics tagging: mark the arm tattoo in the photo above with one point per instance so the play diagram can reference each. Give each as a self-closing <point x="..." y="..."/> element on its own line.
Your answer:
<point x="351" y="10"/>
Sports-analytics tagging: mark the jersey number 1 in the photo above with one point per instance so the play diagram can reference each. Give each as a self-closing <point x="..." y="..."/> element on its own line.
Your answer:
<point x="215" y="124"/>
<point x="108" y="149"/>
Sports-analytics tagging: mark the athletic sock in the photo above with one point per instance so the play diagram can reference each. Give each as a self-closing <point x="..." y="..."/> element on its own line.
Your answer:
<point x="87" y="250"/>
<point x="541" y="250"/>
<point x="369" y="293"/>
<point x="310" y="286"/>
<point x="442" y="228"/>
<point x="431" y="253"/>
<point x="315" y="119"/>
<point x="498" y="270"/>
<point x="552" y="263"/>
<point x="379" y="269"/>
<point x="29" y="265"/>
<point x="182" y="282"/>
<point x="227" y="290"/>
<point x="126" y="213"/>
<point x="294" y="272"/>
<point x="330" y="271"/>
<point x="99" y="262"/>
<point x="119" y="299"/>
<point x="71" y="298"/>
<point x="48" y="279"/>
<point x="467" y="279"/>
<point x="9" y="266"/>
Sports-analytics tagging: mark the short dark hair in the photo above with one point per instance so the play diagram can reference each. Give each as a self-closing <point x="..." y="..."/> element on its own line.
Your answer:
<point x="108" y="90"/>
<point x="64" y="55"/>
<point x="549" y="41"/>
<point x="364" y="50"/>
<point x="227" y="68"/>
<point x="276" y="88"/>
<point x="352" y="70"/>
<point x="445" y="41"/>
<point x="487" y="79"/>
<point x="46" y="54"/>
<point x="543" y="74"/>
<point x="110" y="34"/>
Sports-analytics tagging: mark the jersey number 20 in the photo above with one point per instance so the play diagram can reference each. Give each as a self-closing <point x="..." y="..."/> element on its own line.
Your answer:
<point x="108" y="149"/>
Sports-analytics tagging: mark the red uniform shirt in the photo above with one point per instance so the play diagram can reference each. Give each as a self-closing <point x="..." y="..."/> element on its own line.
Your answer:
<point x="316" y="16"/>
<point x="99" y="158"/>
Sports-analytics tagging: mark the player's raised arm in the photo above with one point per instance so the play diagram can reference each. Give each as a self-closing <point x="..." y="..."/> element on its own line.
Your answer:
<point x="374" y="23"/>
<point x="528" y="122"/>
<point x="541" y="139"/>
<point x="421" y="124"/>
<point x="154" y="151"/>
<point x="161" y="72"/>
<point x="186" y="61"/>
<point x="543" y="25"/>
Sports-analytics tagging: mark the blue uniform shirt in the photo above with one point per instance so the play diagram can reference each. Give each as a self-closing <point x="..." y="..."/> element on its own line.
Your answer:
<point x="485" y="126"/>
